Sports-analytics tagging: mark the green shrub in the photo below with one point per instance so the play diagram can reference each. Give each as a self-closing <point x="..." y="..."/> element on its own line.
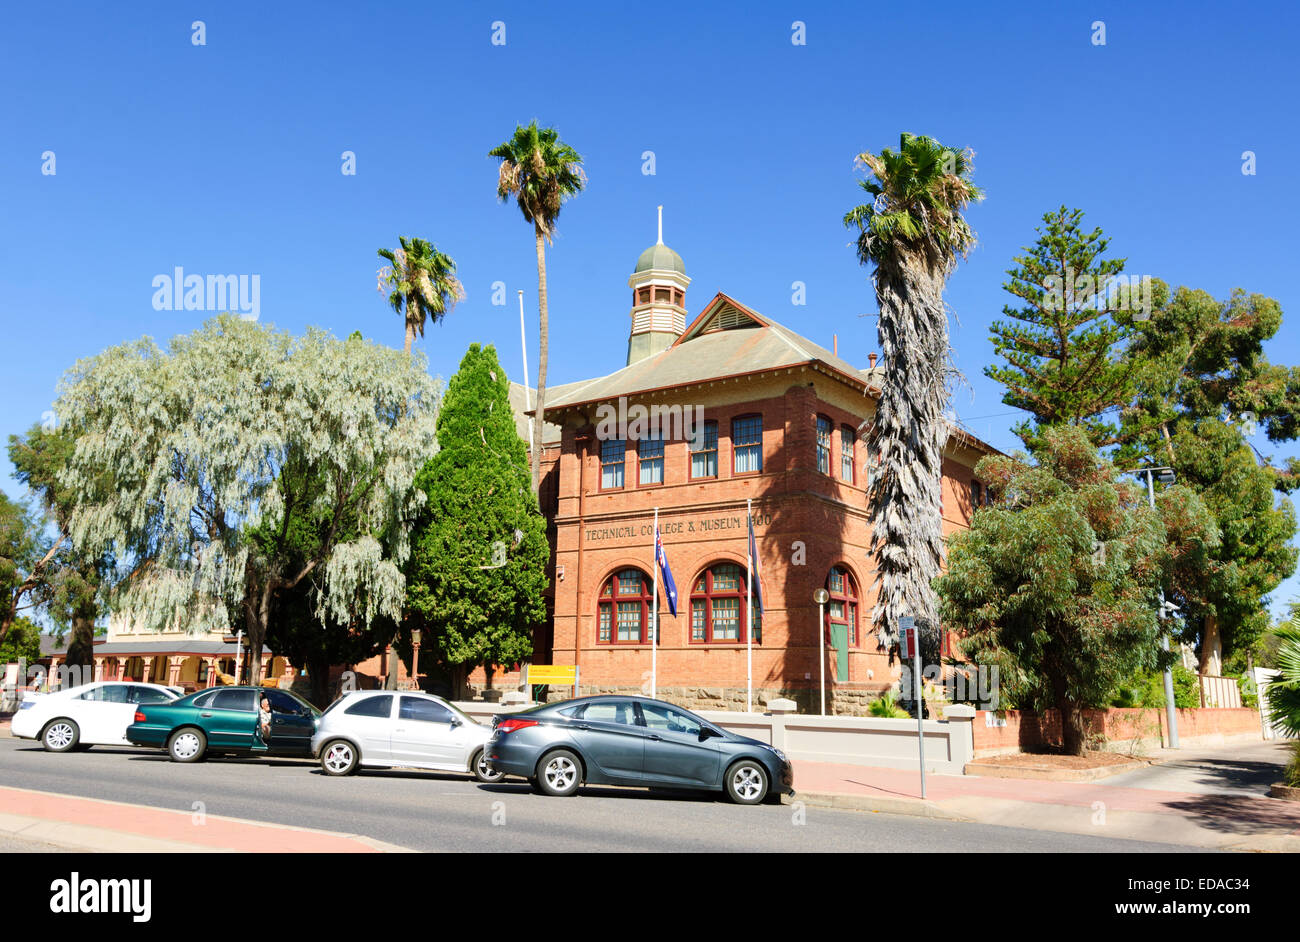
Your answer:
<point x="886" y="707"/>
<point x="1249" y="691"/>
<point x="1292" y="774"/>
<point x="1148" y="690"/>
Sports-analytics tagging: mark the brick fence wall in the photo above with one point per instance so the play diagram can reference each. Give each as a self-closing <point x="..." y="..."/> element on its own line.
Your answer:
<point x="1115" y="729"/>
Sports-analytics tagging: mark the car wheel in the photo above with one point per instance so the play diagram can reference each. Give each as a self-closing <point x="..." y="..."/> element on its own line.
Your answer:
<point x="339" y="758"/>
<point x="746" y="782"/>
<point x="187" y="745"/>
<point x="559" y="773"/>
<point x="478" y="765"/>
<point x="60" y="736"/>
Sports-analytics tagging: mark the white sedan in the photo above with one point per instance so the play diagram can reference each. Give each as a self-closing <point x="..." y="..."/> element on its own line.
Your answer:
<point x="88" y="715"/>
<point x="392" y="728"/>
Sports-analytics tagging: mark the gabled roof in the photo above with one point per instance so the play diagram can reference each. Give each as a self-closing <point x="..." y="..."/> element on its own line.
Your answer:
<point x="727" y="339"/>
<point x="523" y="412"/>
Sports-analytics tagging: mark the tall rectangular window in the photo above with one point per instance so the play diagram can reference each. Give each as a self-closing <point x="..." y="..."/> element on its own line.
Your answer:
<point x="697" y="619"/>
<point x="847" y="441"/>
<point x="704" y="452"/>
<point x="611" y="463"/>
<point x="823" y="444"/>
<point x="747" y="443"/>
<point x="650" y="454"/>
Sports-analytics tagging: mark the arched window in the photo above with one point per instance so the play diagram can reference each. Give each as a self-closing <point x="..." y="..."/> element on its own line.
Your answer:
<point x="623" y="611"/>
<point x="843" y="606"/>
<point x="718" y="606"/>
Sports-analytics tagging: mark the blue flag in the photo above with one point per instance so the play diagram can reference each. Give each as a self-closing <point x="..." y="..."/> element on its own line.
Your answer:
<point x="670" y="587"/>
<point x="754" y="568"/>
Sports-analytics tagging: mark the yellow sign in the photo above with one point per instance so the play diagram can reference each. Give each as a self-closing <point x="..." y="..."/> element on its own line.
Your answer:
<point x="560" y="675"/>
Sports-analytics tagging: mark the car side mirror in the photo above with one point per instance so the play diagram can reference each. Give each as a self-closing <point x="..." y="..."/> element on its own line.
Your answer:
<point x="455" y="721"/>
<point x="708" y="732"/>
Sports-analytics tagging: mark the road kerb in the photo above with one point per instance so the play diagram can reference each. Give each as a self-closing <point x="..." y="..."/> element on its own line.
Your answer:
<point x="883" y="803"/>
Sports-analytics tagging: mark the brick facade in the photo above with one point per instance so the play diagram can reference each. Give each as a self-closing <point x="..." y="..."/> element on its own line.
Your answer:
<point x="805" y="522"/>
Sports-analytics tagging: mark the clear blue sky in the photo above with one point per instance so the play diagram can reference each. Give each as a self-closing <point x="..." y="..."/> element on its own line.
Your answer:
<point x="225" y="159"/>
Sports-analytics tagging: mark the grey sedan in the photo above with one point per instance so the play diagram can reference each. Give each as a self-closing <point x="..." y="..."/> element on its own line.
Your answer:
<point x="613" y="740"/>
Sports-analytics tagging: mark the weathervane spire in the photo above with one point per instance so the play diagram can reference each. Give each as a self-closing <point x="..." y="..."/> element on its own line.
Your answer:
<point x="661" y="225"/>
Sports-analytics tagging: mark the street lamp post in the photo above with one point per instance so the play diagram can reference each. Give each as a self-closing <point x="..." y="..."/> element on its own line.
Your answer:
<point x="820" y="597"/>
<point x="1166" y="476"/>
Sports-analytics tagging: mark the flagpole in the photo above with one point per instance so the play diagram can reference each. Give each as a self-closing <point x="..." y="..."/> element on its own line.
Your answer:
<point x="654" y="618"/>
<point x="523" y="346"/>
<point x="749" y="616"/>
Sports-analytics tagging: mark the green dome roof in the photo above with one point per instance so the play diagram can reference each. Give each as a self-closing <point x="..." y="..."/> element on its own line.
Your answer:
<point x="661" y="257"/>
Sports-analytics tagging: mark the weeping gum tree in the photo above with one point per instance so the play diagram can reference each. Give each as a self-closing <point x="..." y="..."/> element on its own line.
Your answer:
<point x="203" y="443"/>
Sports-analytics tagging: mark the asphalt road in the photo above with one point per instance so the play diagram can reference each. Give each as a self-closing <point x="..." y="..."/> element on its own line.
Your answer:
<point x="429" y="811"/>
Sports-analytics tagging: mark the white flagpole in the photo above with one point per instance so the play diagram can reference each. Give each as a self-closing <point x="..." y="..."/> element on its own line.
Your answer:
<point x="654" y="618"/>
<point x="523" y="346"/>
<point x="749" y="615"/>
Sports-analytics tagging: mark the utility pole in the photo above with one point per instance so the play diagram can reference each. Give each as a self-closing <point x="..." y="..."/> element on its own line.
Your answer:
<point x="1171" y="714"/>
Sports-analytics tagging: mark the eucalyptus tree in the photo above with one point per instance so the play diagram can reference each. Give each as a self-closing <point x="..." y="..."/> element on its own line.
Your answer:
<point x="26" y="558"/>
<point x="71" y="577"/>
<point x="1204" y="388"/>
<point x="422" y="284"/>
<point x="1059" y="578"/>
<point x="540" y="171"/>
<point x="185" y="456"/>
<point x="912" y="234"/>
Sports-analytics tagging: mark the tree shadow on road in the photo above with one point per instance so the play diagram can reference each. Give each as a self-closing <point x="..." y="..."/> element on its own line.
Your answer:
<point x="1240" y="814"/>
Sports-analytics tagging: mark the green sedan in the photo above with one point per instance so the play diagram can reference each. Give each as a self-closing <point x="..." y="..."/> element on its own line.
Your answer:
<point x="227" y="719"/>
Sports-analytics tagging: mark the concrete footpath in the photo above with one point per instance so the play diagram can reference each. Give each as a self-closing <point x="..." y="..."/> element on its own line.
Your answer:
<point x="1195" y="799"/>
<point x="91" y="824"/>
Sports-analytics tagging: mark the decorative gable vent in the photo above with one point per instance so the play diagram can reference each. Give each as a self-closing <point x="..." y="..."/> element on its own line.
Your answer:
<point x="729" y="318"/>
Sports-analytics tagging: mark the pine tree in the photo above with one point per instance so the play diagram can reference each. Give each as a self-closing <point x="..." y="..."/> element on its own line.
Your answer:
<point x="477" y="573"/>
<point x="1063" y="349"/>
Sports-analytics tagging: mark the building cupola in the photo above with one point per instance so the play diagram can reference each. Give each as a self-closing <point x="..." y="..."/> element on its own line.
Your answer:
<point x="658" y="299"/>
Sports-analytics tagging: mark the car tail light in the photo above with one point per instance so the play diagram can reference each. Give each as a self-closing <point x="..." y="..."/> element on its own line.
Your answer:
<point x="139" y="716"/>
<point x="509" y="726"/>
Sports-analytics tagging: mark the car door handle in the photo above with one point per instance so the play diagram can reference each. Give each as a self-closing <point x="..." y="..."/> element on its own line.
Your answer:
<point x="205" y="714"/>
<point x="655" y="738"/>
<point x="583" y="726"/>
<point x="400" y="729"/>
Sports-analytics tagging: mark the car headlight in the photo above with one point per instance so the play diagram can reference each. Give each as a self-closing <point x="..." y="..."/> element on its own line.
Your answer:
<point x="778" y="753"/>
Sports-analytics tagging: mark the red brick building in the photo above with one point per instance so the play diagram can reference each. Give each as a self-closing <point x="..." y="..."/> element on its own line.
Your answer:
<point x="734" y="407"/>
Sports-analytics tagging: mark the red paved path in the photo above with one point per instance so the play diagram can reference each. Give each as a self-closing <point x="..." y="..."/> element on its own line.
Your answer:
<point x="896" y="783"/>
<point x="159" y="824"/>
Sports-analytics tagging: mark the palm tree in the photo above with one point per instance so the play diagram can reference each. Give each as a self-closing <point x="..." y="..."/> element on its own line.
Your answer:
<point x="540" y="171"/>
<point x="423" y="283"/>
<point x="912" y="232"/>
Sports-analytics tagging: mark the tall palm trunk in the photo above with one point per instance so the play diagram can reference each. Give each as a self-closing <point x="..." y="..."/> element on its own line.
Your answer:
<point x="410" y="332"/>
<point x="909" y="433"/>
<point x="542" y="343"/>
